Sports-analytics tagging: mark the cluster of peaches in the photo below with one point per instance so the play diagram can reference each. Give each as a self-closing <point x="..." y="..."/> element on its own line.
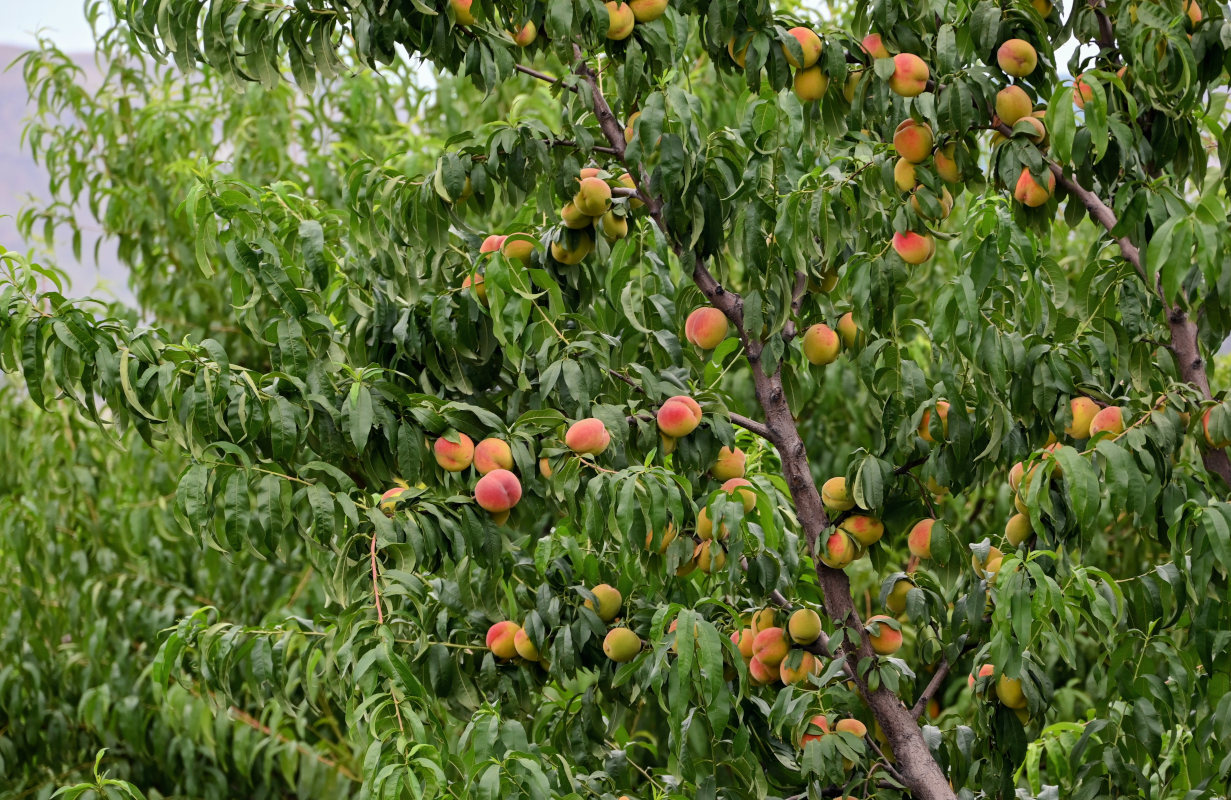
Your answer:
<point x="621" y="19"/>
<point x="507" y="640"/>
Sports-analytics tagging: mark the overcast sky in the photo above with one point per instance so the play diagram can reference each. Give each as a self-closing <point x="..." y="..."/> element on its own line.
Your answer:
<point x="64" y="21"/>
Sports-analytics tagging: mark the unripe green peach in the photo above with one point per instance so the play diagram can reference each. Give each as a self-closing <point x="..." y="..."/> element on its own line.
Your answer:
<point x="770" y="646"/>
<point x="524" y="647"/>
<point x="454" y="456"/>
<point x="609" y="600"/>
<point x="895" y="601"/>
<point x="648" y="10"/>
<point x="1009" y="692"/>
<point x="809" y="43"/>
<point x="588" y="436"/>
<point x="389" y="500"/>
<point x="925" y="423"/>
<point x="874" y="46"/>
<point x="613" y="227"/>
<point x="804" y="626"/>
<point x="679" y="416"/>
<point x="919" y="540"/>
<point x="910" y="75"/>
<point x="741" y="489"/>
<point x="1017" y="529"/>
<point x="834" y="495"/>
<point x="492" y="454"/>
<point x="914" y="248"/>
<point x="1028" y="192"/>
<point x="847" y="329"/>
<point x="620" y="21"/>
<point x="1017" y="58"/>
<point x="808" y="665"/>
<point x="883" y="636"/>
<point x="811" y="84"/>
<point x="500" y="639"/>
<point x="1012" y="103"/>
<point x="1109" y="420"/>
<point x="729" y="464"/>
<point x="913" y="140"/>
<point x="706" y="327"/>
<point x="821" y="345"/>
<point x="863" y="529"/>
<point x="621" y="645"/>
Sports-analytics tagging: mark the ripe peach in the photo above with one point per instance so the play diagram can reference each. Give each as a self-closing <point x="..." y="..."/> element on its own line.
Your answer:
<point x="1193" y="10"/>
<point x="706" y="327"/>
<point x="500" y="639"/>
<point x="491" y="244"/>
<point x="1012" y="103"/>
<point x="818" y="726"/>
<point x="1009" y="692"/>
<point x="808" y="665"/>
<point x="847" y="329"/>
<point x="710" y="558"/>
<point x="1017" y="57"/>
<point x="462" y="13"/>
<point x="945" y="161"/>
<point x="840" y="550"/>
<point x="621" y="645"/>
<point x="925" y="423"/>
<point x="677" y="418"/>
<point x="809" y="43"/>
<point x="1040" y="130"/>
<point x="874" y="46"/>
<point x="904" y="175"/>
<point x="668" y="537"/>
<point x="821" y="345"/>
<point x="1017" y="471"/>
<point x="895" y="601"/>
<point x="804" y="626"/>
<point x="524" y="647"/>
<point x="705" y="527"/>
<point x="811" y="84"/>
<point x="919" y="540"/>
<point x="497" y="491"/>
<point x="1017" y="529"/>
<point x="760" y="672"/>
<point x="729" y="464"/>
<point x="1082" y="92"/>
<point x="1110" y="420"/>
<point x="587" y="436"/>
<point x="630" y="129"/>
<point x="480" y="289"/>
<point x="1044" y="7"/>
<point x="593" y="198"/>
<point x="984" y="671"/>
<point x="492" y="454"/>
<point x="914" y="248"/>
<point x="620" y="21"/>
<point x="743" y="639"/>
<point x="851" y="726"/>
<point x="389" y="500"/>
<point x="834" y="495"/>
<point x="588" y="172"/>
<point x="545" y="467"/>
<point x="520" y="249"/>
<point x="913" y="140"/>
<point x="525" y="36"/>
<point x="627" y="182"/>
<point x="883" y="636"/>
<point x="770" y="646"/>
<point x="648" y="10"/>
<point x="571" y="254"/>
<point x="910" y="75"/>
<point x="1028" y="192"/>
<point x="863" y="529"/>
<point x="454" y="456"/>
<point x="735" y="487"/>
<point x="1084" y="410"/>
<point x="609" y="600"/>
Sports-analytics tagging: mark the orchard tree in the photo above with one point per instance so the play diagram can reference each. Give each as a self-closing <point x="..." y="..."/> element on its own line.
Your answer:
<point x="660" y="400"/>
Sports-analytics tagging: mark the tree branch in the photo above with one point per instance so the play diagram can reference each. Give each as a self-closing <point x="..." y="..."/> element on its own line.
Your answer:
<point x="595" y="148"/>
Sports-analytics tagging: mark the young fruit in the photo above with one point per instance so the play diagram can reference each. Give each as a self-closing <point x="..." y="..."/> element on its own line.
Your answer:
<point x="621" y="645"/>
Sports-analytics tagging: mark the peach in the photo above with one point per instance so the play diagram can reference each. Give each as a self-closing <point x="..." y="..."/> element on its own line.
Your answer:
<point x="500" y="639"/>
<point x="874" y="46"/>
<point x="571" y="254"/>
<point x="851" y="726"/>
<point x="588" y="172"/>
<point x="884" y="635"/>
<point x="821" y="345"/>
<point x="829" y="278"/>
<point x="1017" y="471"/>
<point x="1193" y="10"/>
<point x="492" y="454"/>
<point x="729" y="464"/>
<point x="984" y="671"/>
<point x="987" y="567"/>
<point x="497" y="491"/>
<point x="770" y="646"/>
<point x="454" y="456"/>
<point x="1044" y="7"/>
<point x="925" y="423"/>
<point x="630" y="130"/>
<point x="1040" y="130"/>
<point x="914" y="248"/>
<point x="945" y="201"/>
<point x="710" y="558"/>
<point x="910" y="75"/>
<point x="840" y="550"/>
<point x="945" y="161"/>
<point x="1017" y="529"/>
<point x="706" y="327"/>
<point x="613" y="227"/>
<point x="847" y="329"/>
<point x="1210" y="439"/>
<point x="1009" y="692"/>
<point x="668" y="537"/>
<point x="609" y="600"/>
<point x="524" y="647"/>
<point x="895" y="601"/>
<point x="480" y="289"/>
<point x="804" y="626"/>
<point x="913" y="140"/>
<point x="1110" y="420"/>
<point x="919" y="540"/>
<point x="1082" y="92"/>
<point x="620" y="21"/>
<point x="705" y="527"/>
<point x="1012" y="103"/>
<point x="762" y="619"/>
<point x="677" y="418"/>
<point x="588" y="436"/>
<point x="621" y="645"/>
<point x="740" y="58"/>
<point x="809" y="43"/>
<point x="627" y="182"/>
<point x="520" y="249"/>
<point x="904" y="175"/>
<point x="818" y="726"/>
<point x="593" y="197"/>
<point x="462" y="13"/>
<point x="491" y="244"/>
<point x="760" y="672"/>
<point x="574" y="219"/>
<point x="389" y="500"/>
<point x="808" y="665"/>
<point x="747" y="496"/>
<point x="648" y="10"/>
<point x="1017" y="58"/>
<point x="1084" y="410"/>
<point x="811" y="84"/>
<point x="743" y="640"/>
<point x="863" y="529"/>
<point x="834" y="495"/>
<point x="545" y="467"/>
<point x="1028" y="192"/>
<point x="525" y="37"/>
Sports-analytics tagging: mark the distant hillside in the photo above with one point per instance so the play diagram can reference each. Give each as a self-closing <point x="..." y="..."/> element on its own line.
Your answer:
<point x="23" y="178"/>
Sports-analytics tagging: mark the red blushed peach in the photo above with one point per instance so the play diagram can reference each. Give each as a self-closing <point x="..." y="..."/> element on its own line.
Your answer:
<point x="525" y="648"/>
<point x="1028" y="192"/>
<point x="883" y="637"/>
<point x="454" y="456"/>
<point x="913" y="140"/>
<point x="1012" y="103"/>
<point x="588" y="436"/>
<point x="1193" y="11"/>
<point x="760" y="672"/>
<point x="821" y="345"/>
<point x="1082" y="92"/>
<point x="847" y="329"/>
<point x="389" y="501"/>
<point x="520" y="249"/>
<point x="462" y="12"/>
<point x="497" y="491"/>
<point x="500" y="639"/>
<point x="808" y="665"/>
<point x="1017" y="57"/>
<point x="620" y="21"/>
<point x="818" y="726"/>
<point x="1084" y="409"/>
<point x="1109" y="420"/>
<point x="770" y="646"/>
<point x="491" y="244"/>
<point x="678" y="418"/>
<point x="919" y="540"/>
<point x="648" y="10"/>
<point x="492" y="454"/>
<point x="743" y="640"/>
<point x="945" y="161"/>
<point x="874" y="46"/>
<point x="984" y="671"/>
<point x="925" y="424"/>
<point x="525" y="35"/>
<point x="914" y="248"/>
<point x="480" y="289"/>
<point x="840" y="550"/>
<point x="910" y="75"/>
<point x="706" y="327"/>
<point x="851" y="726"/>
<point x="863" y="529"/>
<point x="746" y="496"/>
<point x="809" y="43"/>
<point x="729" y="464"/>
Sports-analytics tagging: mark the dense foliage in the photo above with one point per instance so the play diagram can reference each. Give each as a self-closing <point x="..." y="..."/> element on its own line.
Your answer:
<point x="959" y="362"/>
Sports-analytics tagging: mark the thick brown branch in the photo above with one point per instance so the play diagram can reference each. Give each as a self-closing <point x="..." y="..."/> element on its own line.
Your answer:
<point x="606" y="120"/>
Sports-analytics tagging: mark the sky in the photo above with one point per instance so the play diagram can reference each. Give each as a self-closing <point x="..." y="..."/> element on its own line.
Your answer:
<point x="64" y="21"/>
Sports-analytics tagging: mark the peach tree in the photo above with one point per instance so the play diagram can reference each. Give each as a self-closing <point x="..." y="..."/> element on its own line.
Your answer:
<point x="661" y="399"/>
